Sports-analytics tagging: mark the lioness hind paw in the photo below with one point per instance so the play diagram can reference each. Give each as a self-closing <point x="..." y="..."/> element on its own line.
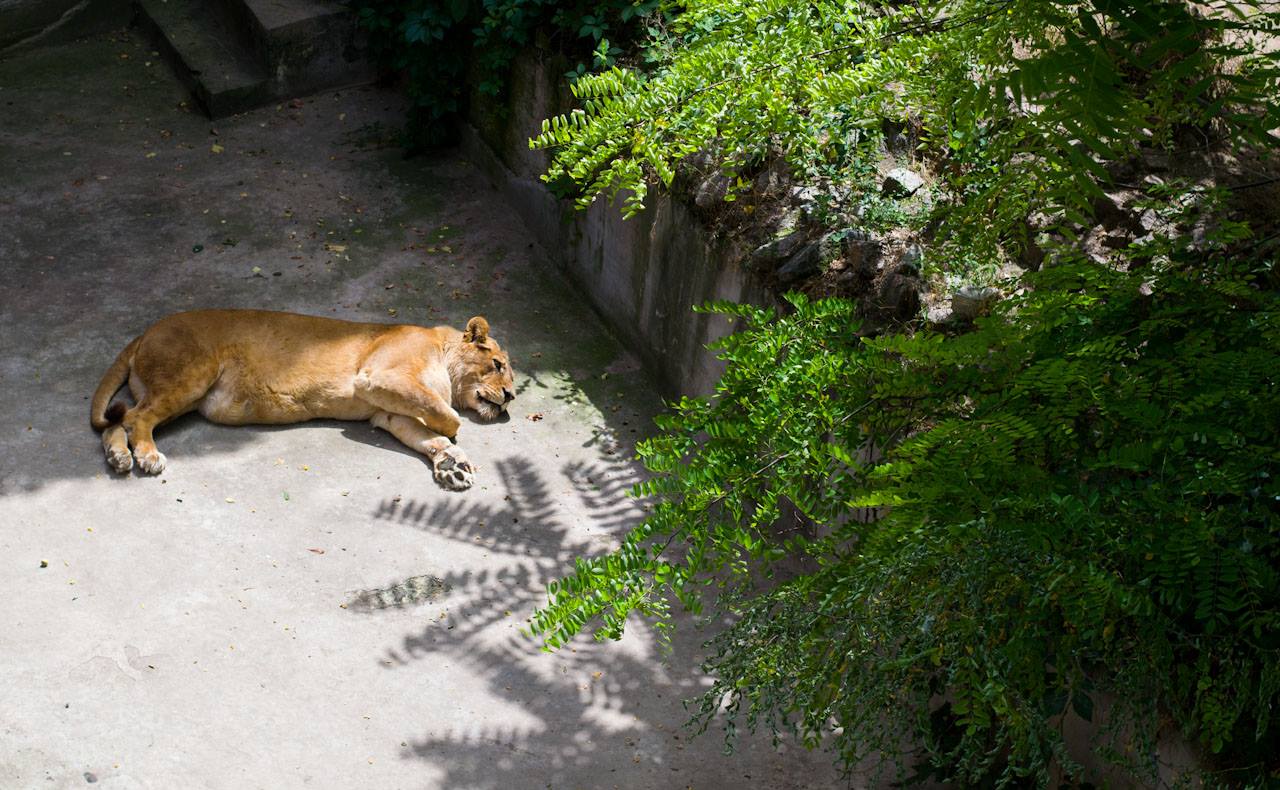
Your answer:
<point x="120" y="460"/>
<point x="152" y="463"/>
<point x="453" y="471"/>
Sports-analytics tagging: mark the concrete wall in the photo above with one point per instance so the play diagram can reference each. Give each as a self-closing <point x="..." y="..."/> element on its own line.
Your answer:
<point x="47" y="21"/>
<point x="642" y="275"/>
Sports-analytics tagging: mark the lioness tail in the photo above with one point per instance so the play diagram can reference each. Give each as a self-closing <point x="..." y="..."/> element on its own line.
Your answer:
<point x="99" y="415"/>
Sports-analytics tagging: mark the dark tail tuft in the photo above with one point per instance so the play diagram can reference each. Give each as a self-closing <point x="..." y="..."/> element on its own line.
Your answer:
<point x="100" y="416"/>
<point x="115" y="413"/>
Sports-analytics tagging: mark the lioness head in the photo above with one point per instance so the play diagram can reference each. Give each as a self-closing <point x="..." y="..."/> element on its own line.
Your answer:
<point x="481" y="372"/>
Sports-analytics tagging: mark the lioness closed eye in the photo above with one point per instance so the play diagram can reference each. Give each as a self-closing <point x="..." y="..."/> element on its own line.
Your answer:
<point x="239" y="367"/>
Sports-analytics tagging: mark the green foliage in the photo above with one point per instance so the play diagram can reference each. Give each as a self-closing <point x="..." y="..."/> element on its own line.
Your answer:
<point x="1069" y="511"/>
<point x="1079" y="498"/>
<point x="431" y="41"/>
<point x="1019" y="102"/>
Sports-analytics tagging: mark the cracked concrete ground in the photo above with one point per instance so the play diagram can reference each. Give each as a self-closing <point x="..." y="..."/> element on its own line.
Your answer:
<point x="188" y="630"/>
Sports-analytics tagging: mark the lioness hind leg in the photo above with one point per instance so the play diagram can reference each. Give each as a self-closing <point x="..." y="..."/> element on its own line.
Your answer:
<point x="142" y="420"/>
<point x="162" y="395"/>
<point x="136" y="431"/>
<point x="450" y="466"/>
<point x="139" y="423"/>
<point x="116" y="444"/>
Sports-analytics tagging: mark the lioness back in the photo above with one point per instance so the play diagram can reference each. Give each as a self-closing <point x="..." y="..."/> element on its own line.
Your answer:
<point x="264" y="367"/>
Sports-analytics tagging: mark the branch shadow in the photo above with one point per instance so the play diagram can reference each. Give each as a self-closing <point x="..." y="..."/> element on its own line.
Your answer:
<point x="595" y="714"/>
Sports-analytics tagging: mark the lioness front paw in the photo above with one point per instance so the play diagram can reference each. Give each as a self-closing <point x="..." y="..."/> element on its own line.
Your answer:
<point x="452" y="470"/>
<point x="152" y="463"/>
<point x="119" y="459"/>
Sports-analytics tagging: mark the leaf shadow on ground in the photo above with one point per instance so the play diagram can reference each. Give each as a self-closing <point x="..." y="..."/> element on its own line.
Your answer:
<point x="596" y="714"/>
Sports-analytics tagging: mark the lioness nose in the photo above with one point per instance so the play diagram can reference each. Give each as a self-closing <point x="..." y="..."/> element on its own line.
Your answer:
<point x="507" y="395"/>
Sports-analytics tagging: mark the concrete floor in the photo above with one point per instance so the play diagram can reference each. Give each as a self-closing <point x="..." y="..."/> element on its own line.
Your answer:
<point x="189" y="630"/>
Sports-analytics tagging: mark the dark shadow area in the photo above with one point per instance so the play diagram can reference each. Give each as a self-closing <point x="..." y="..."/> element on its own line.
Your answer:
<point x="475" y="419"/>
<point x="366" y="434"/>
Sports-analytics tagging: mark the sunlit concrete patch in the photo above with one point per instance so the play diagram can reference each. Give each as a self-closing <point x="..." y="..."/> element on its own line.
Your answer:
<point x="195" y="627"/>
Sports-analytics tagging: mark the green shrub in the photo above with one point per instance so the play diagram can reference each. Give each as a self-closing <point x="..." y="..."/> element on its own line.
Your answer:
<point x="1017" y="105"/>
<point x="1078" y="497"/>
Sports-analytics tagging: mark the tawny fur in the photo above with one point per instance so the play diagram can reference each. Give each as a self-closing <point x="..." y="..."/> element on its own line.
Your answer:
<point x="238" y="367"/>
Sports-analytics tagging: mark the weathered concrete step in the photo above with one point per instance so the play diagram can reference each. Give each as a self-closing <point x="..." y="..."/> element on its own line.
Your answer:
<point x="306" y="45"/>
<point x="217" y="65"/>
<point x="235" y="55"/>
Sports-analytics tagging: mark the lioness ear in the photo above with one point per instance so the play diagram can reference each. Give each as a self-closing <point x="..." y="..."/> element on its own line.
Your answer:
<point x="477" y="330"/>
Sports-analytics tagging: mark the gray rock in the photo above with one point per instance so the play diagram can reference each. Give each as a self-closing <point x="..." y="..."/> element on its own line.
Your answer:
<point x="970" y="301"/>
<point x="847" y="278"/>
<point x="849" y="235"/>
<point x="901" y="181"/>
<point x="1031" y="256"/>
<point x="767" y="255"/>
<point x="772" y="180"/>
<point x="805" y="263"/>
<point x="831" y="245"/>
<point x="813" y="212"/>
<point x="940" y="313"/>
<point x="898" y="297"/>
<point x="1115" y="209"/>
<point x="1093" y="245"/>
<point x="896" y="141"/>
<point x="810" y="201"/>
<point x="1108" y="209"/>
<point x="911" y="260"/>
<point x="1155" y="161"/>
<point x="856" y="247"/>
<point x="1009" y="271"/>
<point x="712" y="190"/>
<point x="1150" y="221"/>
<point x="1117" y="239"/>
<point x="897" y="144"/>
<point x="703" y="159"/>
<point x="805" y="194"/>
<point x="862" y="253"/>
<point x="789" y="221"/>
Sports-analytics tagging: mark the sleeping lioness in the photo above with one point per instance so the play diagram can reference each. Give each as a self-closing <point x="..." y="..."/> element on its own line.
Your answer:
<point x="252" y="366"/>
